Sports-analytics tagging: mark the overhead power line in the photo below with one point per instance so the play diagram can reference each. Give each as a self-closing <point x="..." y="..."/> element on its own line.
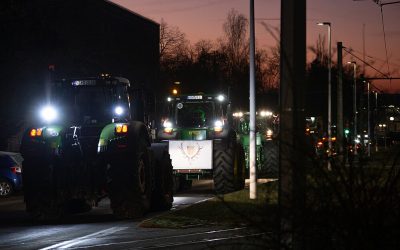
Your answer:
<point x="366" y="63"/>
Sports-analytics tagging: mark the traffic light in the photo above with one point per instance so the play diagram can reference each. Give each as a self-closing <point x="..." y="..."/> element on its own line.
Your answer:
<point x="346" y="132"/>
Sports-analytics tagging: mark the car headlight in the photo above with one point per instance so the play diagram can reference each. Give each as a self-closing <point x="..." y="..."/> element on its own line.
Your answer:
<point x="48" y="114"/>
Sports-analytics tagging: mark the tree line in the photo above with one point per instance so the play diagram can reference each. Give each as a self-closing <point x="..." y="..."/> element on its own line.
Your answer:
<point x="223" y="66"/>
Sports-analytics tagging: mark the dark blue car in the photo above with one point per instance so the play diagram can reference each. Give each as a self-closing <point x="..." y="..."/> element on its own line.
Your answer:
<point x="10" y="173"/>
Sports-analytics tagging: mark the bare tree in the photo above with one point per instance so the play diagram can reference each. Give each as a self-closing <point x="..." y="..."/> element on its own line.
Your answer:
<point x="236" y="42"/>
<point x="173" y="42"/>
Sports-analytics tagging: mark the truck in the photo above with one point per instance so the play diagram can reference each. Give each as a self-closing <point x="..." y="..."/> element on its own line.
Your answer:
<point x="88" y="145"/>
<point x="202" y="142"/>
<point x="267" y="147"/>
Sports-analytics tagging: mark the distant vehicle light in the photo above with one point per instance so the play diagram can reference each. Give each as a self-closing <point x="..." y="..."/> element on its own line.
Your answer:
<point x="238" y="114"/>
<point x="221" y="98"/>
<point x="48" y="114"/>
<point x="169" y="99"/>
<point x="265" y="113"/>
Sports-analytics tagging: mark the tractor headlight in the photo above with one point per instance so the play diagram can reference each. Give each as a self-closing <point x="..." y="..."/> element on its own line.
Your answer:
<point x="167" y="124"/>
<point x="48" y="114"/>
<point x="218" y="126"/>
<point x="269" y="133"/>
<point x="119" y="110"/>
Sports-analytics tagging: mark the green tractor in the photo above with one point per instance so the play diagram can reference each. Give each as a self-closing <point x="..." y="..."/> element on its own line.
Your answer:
<point x="266" y="141"/>
<point x="202" y="142"/>
<point x="89" y="146"/>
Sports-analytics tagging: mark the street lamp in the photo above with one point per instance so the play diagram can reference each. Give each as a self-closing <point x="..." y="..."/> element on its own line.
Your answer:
<point x="329" y="85"/>
<point x="355" y="103"/>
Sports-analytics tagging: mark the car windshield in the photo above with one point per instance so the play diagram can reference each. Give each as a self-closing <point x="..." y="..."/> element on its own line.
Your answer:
<point x="194" y="114"/>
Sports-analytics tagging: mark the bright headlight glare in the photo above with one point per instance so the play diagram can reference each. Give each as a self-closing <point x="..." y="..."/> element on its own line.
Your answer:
<point x="167" y="124"/>
<point x="119" y="110"/>
<point x="218" y="126"/>
<point x="48" y="114"/>
<point x="221" y="98"/>
<point x="218" y="123"/>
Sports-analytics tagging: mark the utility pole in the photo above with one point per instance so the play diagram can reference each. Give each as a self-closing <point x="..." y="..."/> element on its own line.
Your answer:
<point x="252" y="146"/>
<point x="339" y="130"/>
<point x="292" y="146"/>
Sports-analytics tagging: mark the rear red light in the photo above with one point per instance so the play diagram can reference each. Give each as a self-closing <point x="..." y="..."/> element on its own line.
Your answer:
<point x="16" y="169"/>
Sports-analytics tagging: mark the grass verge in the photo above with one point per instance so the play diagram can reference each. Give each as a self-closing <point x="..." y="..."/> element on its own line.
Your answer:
<point x="229" y="210"/>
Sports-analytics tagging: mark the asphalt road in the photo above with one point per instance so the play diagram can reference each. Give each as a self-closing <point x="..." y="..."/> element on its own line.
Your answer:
<point x="98" y="229"/>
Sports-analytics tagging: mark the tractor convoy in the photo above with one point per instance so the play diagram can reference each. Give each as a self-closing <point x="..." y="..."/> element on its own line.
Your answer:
<point x="206" y="140"/>
<point x="88" y="145"/>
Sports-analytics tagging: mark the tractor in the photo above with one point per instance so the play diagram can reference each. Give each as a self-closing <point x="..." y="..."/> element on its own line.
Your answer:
<point x="202" y="142"/>
<point x="266" y="141"/>
<point x="86" y="145"/>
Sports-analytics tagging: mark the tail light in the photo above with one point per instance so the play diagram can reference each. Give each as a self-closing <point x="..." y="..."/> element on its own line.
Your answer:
<point x="16" y="169"/>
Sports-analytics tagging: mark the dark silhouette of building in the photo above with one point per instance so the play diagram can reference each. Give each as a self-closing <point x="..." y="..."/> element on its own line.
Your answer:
<point x="74" y="38"/>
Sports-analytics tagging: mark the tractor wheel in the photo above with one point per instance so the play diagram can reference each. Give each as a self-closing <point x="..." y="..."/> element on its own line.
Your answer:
<point x="39" y="192"/>
<point x="271" y="159"/>
<point x="162" y="196"/>
<point x="229" y="170"/>
<point x="6" y="188"/>
<point x="130" y="177"/>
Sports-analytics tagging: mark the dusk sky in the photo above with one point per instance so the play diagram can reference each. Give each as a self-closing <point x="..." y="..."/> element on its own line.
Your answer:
<point x="203" y="19"/>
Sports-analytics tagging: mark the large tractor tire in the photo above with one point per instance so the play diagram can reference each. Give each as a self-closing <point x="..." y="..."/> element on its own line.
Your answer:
<point x="271" y="159"/>
<point x="162" y="196"/>
<point x="229" y="167"/>
<point x="130" y="176"/>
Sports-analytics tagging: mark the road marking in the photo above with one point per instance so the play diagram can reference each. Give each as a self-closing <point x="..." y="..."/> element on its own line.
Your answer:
<point x="73" y="242"/>
<point x="176" y="237"/>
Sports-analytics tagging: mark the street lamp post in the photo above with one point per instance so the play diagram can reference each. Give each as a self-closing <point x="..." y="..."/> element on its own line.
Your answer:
<point x="355" y="103"/>
<point x="329" y="85"/>
<point x="369" y="123"/>
<point x="375" y="119"/>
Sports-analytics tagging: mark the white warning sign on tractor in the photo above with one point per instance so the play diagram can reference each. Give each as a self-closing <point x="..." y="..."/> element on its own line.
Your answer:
<point x="191" y="154"/>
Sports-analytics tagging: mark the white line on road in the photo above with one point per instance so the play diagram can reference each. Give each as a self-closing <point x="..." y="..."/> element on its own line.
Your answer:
<point x="164" y="238"/>
<point x="70" y="243"/>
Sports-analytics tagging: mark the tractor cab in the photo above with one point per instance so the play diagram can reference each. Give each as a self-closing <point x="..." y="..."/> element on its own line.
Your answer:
<point x="87" y="101"/>
<point x="207" y="113"/>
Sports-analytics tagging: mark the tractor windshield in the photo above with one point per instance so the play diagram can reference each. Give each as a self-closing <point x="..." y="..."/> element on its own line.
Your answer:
<point x="91" y="104"/>
<point x="194" y="114"/>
